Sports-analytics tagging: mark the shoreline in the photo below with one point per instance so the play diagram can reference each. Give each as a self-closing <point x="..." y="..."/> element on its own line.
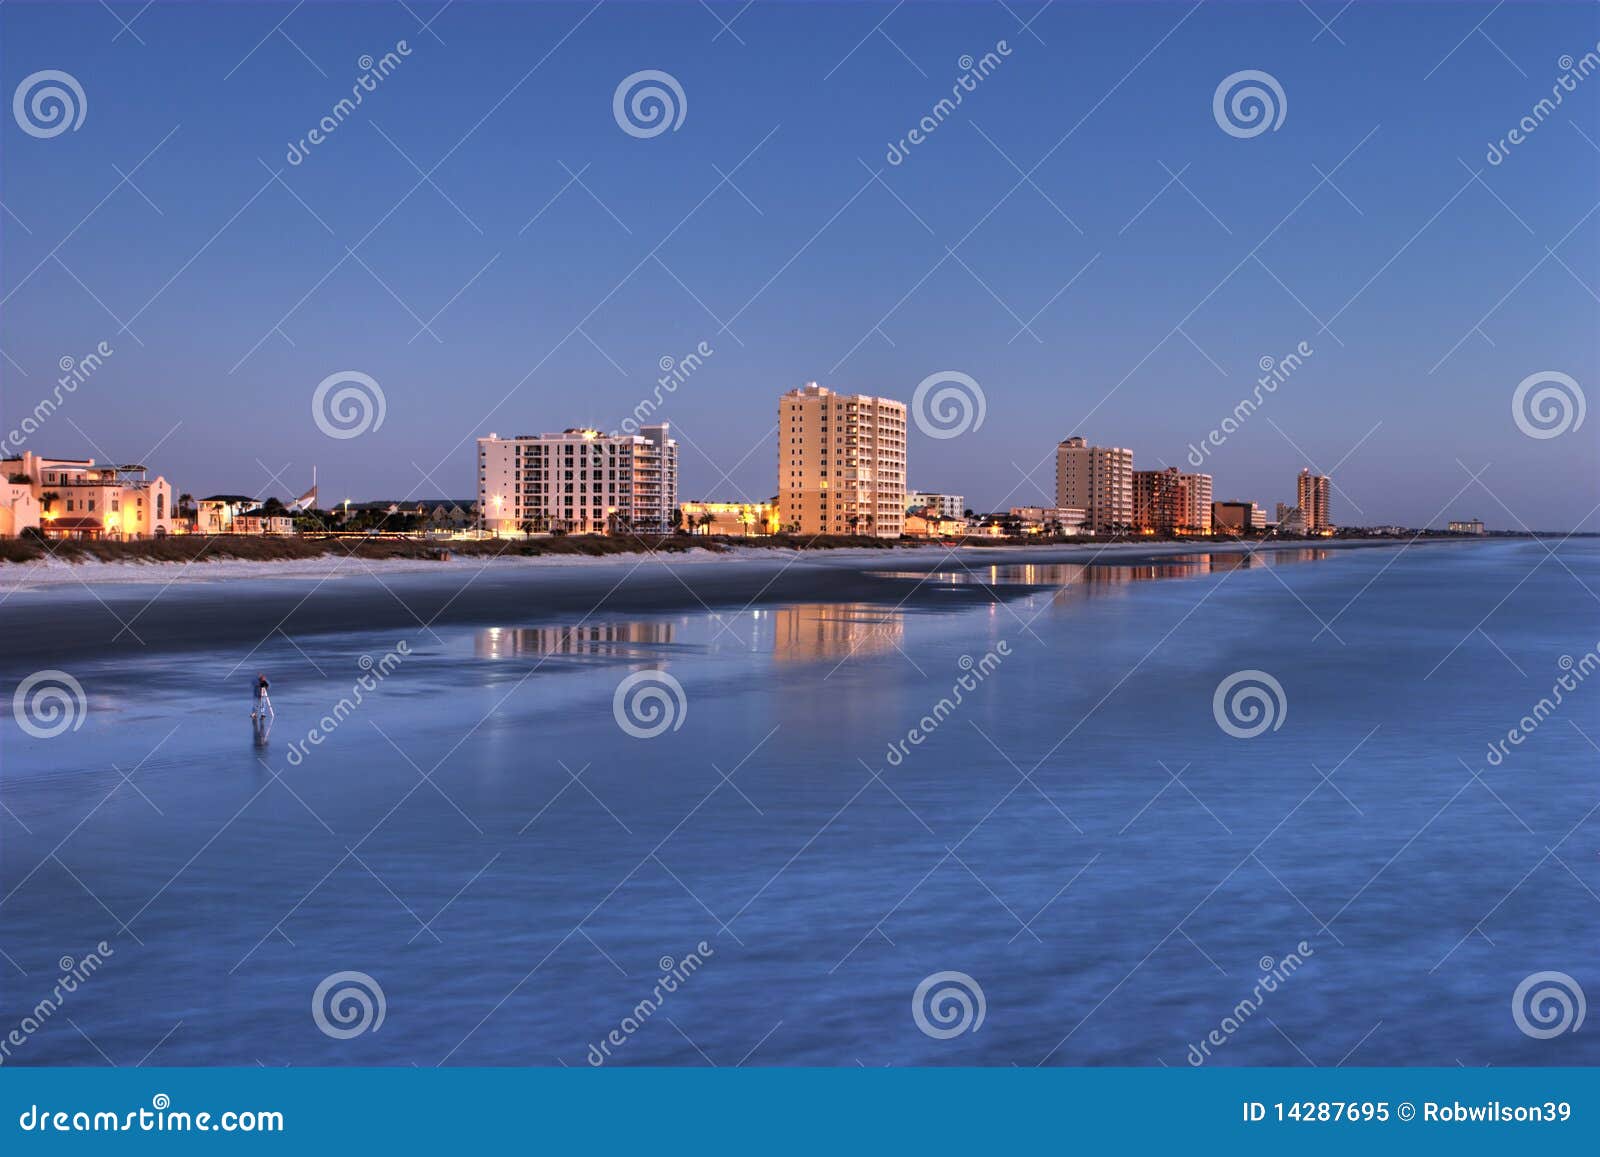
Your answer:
<point x="48" y="575"/>
<point x="111" y="619"/>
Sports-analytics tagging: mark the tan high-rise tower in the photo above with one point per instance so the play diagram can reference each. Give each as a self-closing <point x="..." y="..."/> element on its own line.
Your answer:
<point x="841" y="462"/>
<point x="1311" y="492"/>
<point x="1097" y="480"/>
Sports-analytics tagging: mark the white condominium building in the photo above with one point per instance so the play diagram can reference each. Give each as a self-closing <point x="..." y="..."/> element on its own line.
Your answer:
<point x="841" y="462"/>
<point x="948" y="505"/>
<point x="581" y="481"/>
<point x="1098" y="480"/>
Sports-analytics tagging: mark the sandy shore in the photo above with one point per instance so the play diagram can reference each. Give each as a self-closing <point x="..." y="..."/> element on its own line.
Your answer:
<point x="52" y="613"/>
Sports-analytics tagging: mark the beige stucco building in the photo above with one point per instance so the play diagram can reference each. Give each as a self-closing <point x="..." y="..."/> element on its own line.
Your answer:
<point x="1098" y="480"/>
<point x="841" y="462"/>
<point x="74" y="498"/>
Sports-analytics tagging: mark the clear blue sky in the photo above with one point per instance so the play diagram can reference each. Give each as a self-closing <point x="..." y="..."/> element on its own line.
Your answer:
<point x="787" y="275"/>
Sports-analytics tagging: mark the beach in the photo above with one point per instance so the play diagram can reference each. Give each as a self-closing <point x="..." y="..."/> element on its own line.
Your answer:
<point x="57" y="610"/>
<point x="867" y="772"/>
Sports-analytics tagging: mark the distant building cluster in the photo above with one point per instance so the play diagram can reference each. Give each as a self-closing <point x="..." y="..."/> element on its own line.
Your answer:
<point x="841" y="470"/>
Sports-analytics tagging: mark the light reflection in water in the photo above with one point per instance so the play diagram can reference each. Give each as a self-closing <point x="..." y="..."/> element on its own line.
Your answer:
<point x="615" y="639"/>
<point x="1067" y="574"/>
<point x="806" y="632"/>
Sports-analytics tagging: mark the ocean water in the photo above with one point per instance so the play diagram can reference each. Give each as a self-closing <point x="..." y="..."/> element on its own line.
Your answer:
<point x="1116" y="876"/>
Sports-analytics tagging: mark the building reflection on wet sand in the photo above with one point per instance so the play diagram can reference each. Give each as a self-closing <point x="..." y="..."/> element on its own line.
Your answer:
<point x="1071" y="574"/>
<point x="806" y="632"/>
<point x="611" y="639"/>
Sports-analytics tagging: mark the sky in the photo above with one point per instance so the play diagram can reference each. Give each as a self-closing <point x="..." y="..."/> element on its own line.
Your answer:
<point x="485" y="241"/>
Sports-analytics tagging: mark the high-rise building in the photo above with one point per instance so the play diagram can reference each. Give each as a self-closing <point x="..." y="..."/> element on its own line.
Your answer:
<point x="1098" y="480"/>
<point x="1311" y="495"/>
<point x="1171" y="502"/>
<point x="1195" y="495"/>
<point x="841" y="462"/>
<point x="580" y="481"/>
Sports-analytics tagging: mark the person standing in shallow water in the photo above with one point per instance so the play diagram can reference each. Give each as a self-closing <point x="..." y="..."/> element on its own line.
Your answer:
<point x="263" y="700"/>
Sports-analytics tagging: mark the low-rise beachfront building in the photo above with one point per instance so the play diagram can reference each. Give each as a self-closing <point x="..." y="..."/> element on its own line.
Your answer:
<point x="945" y="505"/>
<point x="841" y="462"/>
<point x="1235" y="517"/>
<point x="1467" y="526"/>
<point x="579" y="481"/>
<point x="240" y="514"/>
<point x="259" y="522"/>
<point x="929" y="523"/>
<point x="216" y="515"/>
<point x="730" y="518"/>
<point x="19" y="509"/>
<point x="1050" y="519"/>
<point x="78" y="499"/>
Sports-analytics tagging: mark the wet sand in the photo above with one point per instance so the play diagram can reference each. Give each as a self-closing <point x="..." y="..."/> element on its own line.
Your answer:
<point x="196" y="607"/>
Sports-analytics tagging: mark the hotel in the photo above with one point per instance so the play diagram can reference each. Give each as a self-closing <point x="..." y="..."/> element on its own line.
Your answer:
<point x="579" y="481"/>
<point x="841" y="463"/>
<point x="1097" y="480"/>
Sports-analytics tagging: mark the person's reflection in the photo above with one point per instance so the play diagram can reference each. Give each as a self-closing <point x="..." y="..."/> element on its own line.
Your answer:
<point x="261" y="727"/>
